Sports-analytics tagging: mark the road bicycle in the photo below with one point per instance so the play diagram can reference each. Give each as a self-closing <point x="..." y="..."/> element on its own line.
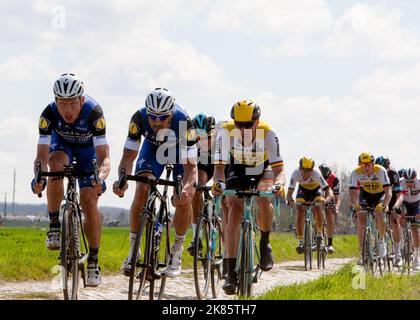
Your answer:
<point x="74" y="249"/>
<point x="146" y="275"/>
<point x="207" y="252"/>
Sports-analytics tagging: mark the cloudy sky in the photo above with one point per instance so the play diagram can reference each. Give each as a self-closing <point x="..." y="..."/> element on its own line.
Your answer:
<point x="334" y="78"/>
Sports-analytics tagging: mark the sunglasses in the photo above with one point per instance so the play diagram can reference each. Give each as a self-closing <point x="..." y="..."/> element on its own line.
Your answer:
<point x="410" y="181"/>
<point x="306" y="170"/>
<point x="162" y="117"/>
<point x="244" y="125"/>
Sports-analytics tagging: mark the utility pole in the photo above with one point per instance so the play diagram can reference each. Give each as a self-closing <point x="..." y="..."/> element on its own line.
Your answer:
<point x="5" y="207"/>
<point x="14" y="191"/>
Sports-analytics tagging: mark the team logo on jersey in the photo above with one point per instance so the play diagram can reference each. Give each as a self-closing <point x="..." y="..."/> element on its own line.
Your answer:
<point x="43" y="123"/>
<point x="133" y="129"/>
<point x="100" y="123"/>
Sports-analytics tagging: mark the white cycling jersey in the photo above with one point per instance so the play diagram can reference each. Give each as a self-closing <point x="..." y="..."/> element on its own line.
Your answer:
<point x="411" y="195"/>
<point x="313" y="182"/>
<point x="373" y="184"/>
<point x="265" y="146"/>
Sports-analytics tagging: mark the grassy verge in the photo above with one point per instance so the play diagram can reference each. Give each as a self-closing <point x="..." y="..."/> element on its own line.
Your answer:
<point x="23" y="254"/>
<point x="339" y="286"/>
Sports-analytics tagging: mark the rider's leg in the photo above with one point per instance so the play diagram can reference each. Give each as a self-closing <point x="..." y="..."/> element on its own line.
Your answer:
<point x="265" y="222"/>
<point x="396" y="233"/>
<point x="330" y="225"/>
<point x="197" y="205"/>
<point x="300" y="222"/>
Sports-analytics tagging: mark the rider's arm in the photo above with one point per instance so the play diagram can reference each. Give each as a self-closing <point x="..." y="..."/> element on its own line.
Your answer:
<point x="388" y="195"/>
<point x="354" y="187"/>
<point x="104" y="161"/>
<point x="279" y="176"/>
<point x="337" y="202"/>
<point x="42" y="156"/>
<point x="127" y="160"/>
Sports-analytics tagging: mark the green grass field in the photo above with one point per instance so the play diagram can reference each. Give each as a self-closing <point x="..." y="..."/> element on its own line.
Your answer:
<point x="23" y="254"/>
<point x="339" y="286"/>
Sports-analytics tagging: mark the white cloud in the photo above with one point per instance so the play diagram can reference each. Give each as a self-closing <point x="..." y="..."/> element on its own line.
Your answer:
<point x="372" y="31"/>
<point x="277" y="17"/>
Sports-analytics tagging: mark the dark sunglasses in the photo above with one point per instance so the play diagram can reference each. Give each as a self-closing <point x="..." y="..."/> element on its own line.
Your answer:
<point x="306" y="170"/>
<point x="410" y="181"/>
<point x="162" y="117"/>
<point x="245" y="125"/>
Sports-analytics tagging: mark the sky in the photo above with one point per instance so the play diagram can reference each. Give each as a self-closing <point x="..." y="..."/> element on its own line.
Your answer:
<point x="333" y="78"/>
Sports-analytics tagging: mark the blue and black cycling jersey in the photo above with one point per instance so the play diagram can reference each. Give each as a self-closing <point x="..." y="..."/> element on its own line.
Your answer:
<point x="88" y="129"/>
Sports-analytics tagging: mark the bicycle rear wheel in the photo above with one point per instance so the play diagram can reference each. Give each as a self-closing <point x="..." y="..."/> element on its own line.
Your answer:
<point x="389" y="259"/>
<point x="407" y="252"/>
<point x="245" y="281"/>
<point x="217" y="258"/>
<point x="70" y="253"/>
<point x="202" y="258"/>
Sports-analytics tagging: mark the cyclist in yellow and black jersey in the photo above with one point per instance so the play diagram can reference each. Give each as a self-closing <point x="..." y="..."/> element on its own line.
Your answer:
<point x="370" y="185"/>
<point x="312" y="187"/>
<point x="252" y="150"/>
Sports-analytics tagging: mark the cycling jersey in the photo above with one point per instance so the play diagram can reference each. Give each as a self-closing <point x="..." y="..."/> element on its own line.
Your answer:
<point x="411" y="195"/>
<point x="77" y="140"/>
<point x="394" y="181"/>
<point x="265" y="147"/>
<point x="373" y="184"/>
<point x="334" y="184"/>
<point x="314" y="182"/>
<point x="176" y="135"/>
<point x="88" y="129"/>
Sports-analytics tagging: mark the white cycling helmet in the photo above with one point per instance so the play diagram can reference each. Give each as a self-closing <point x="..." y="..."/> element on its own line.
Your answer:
<point x="67" y="86"/>
<point x="160" y="101"/>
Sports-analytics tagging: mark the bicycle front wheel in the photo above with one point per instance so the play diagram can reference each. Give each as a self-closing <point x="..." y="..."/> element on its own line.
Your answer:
<point x="308" y="246"/>
<point x="246" y="270"/>
<point x="70" y="253"/>
<point x="202" y="257"/>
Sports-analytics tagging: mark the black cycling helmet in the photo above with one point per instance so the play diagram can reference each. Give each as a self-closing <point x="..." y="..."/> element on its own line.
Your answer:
<point x="204" y="122"/>
<point x="401" y="173"/>
<point x="325" y="170"/>
<point x="383" y="161"/>
<point x="410" y="174"/>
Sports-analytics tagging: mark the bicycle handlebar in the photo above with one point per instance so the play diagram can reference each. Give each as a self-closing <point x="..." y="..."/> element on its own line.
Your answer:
<point x="248" y="193"/>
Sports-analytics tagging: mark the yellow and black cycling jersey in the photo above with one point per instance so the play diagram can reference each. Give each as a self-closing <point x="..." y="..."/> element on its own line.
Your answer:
<point x="265" y="146"/>
<point x="373" y="184"/>
<point x="314" y="182"/>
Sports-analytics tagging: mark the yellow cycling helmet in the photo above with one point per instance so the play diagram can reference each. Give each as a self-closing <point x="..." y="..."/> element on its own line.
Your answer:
<point x="245" y="111"/>
<point x="366" y="157"/>
<point x="306" y="163"/>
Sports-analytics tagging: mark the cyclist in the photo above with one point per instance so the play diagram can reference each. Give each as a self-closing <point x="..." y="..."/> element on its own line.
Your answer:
<point x="312" y="187"/>
<point x="394" y="205"/>
<point x="73" y="126"/>
<point x="374" y="191"/>
<point x="411" y="193"/>
<point x="332" y="206"/>
<point x="166" y="128"/>
<point x="205" y="128"/>
<point x="252" y="150"/>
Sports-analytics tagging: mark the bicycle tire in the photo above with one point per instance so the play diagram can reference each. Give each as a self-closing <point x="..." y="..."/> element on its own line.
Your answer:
<point x="160" y="260"/>
<point x="202" y="258"/>
<point x="407" y="252"/>
<point x="244" y="278"/>
<point x="389" y="259"/>
<point x="70" y="255"/>
<point x="145" y="266"/>
<point x="134" y="258"/>
<point x="217" y="259"/>
<point x="308" y="245"/>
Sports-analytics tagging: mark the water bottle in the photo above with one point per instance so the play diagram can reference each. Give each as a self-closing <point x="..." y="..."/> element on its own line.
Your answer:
<point x="158" y="234"/>
<point x="213" y="239"/>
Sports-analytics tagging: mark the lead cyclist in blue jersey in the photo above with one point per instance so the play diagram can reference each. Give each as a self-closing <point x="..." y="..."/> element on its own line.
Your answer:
<point x="165" y="127"/>
<point x="73" y="126"/>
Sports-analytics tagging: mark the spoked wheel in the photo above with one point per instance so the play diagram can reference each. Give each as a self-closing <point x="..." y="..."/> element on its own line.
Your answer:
<point x="407" y="253"/>
<point x="70" y="253"/>
<point x="134" y="275"/>
<point x="368" y="254"/>
<point x="217" y="254"/>
<point x="159" y="261"/>
<point x="245" y="281"/>
<point x="389" y="259"/>
<point x="308" y="247"/>
<point x="202" y="258"/>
